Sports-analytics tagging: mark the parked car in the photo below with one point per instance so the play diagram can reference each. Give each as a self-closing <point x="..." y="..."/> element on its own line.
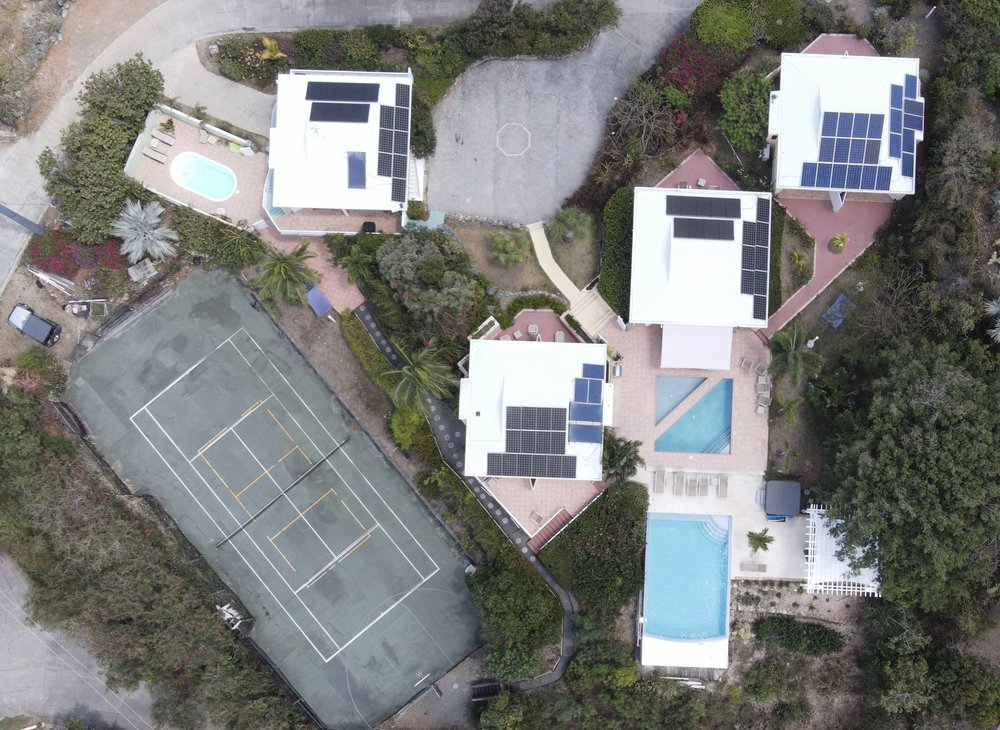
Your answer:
<point x="41" y="330"/>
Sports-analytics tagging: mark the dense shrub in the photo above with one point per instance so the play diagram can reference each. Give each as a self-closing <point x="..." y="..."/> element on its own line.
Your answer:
<point x="598" y="557"/>
<point x="221" y="244"/>
<point x="529" y="301"/>
<point x="616" y="252"/>
<point x="317" y="48"/>
<point x="417" y="210"/>
<point x="54" y="253"/>
<point x="405" y="423"/>
<point x="41" y="363"/>
<point x="784" y="27"/>
<point x="723" y="23"/>
<point x="778" y="218"/>
<point x="371" y="358"/>
<point x="745" y="105"/>
<point x="85" y="172"/>
<point x="798" y="636"/>
<point x="423" y="137"/>
<point x="694" y="68"/>
<point x="243" y="57"/>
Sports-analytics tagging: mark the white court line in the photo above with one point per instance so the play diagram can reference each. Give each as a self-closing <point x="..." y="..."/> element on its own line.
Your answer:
<point x="285" y="495"/>
<point x="337" y="558"/>
<point x="333" y="440"/>
<point x="184" y="375"/>
<point x="226" y="430"/>
<point x="238" y="551"/>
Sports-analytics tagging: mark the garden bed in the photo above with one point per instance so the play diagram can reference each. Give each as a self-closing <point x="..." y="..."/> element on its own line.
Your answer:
<point x="526" y="276"/>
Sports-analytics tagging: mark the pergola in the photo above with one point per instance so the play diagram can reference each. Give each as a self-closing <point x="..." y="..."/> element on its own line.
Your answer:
<point x="825" y="572"/>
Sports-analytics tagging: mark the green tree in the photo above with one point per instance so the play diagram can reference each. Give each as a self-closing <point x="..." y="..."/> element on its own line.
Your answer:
<point x="286" y="275"/>
<point x="759" y="541"/>
<point x="620" y="458"/>
<point x="139" y="226"/>
<point x="723" y="23"/>
<point x="791" y="357"/>
<point x="745" y="107"/>
<point x="508" y="250"/>
<point x="424" y="373"/>
<point x="916" y="477"/>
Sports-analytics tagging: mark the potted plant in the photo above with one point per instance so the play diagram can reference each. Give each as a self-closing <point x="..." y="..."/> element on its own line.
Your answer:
<point x="837" y="243"/>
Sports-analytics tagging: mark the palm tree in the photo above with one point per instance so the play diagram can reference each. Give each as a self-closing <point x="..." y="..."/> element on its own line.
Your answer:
<point x="759" y="541"/>
<point x="270" y="52"/>
<point x="286" y="275"/>
<point x="791" y="357"/>
<point x="357" y="263"/>
<point x="424" y="373"/>
<point x="992" y="308"/>
<point x="139" y="227"/>
<point x="621" y="457"/>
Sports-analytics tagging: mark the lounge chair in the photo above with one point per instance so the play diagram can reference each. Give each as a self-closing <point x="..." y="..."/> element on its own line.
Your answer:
<point x="532" y="329"/>
<point x="163" y="137"/>
<point x="723" y="489"/>
<point x="559" y="336"/>
<point x="764" y="400"/>
<point x="762" y="380"/>
<point x="154" y="155"/>
<point x="505" y="337"/>
<point x="760" y="408"/>
<point x="683" y="186"/>
<point x="658" y="482"/>
<point x="746" y="363"/>
<point x="691" y="484"/>
<point x="678" y="484"/>
<point x="760" y="368"/>
<point x="703" y="490"/>
<point x="763" y="388"/>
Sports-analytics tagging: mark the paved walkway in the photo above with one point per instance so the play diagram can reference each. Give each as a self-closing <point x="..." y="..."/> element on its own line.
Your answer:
<point x="450" y="434"/>
<point x="586" y="306"/>
<point x="487" y="165"/>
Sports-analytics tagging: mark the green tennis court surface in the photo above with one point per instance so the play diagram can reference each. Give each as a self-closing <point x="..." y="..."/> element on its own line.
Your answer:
<point x="358" y="595"/>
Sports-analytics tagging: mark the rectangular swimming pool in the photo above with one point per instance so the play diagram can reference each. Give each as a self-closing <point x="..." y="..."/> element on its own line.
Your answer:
<point x="706" y="428"/>
<point x="687" y="576"/>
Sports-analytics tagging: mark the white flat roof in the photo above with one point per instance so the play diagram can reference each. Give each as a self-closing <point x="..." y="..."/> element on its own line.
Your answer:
<point x="682" y="280"/>
<point x="326" y="144"/>
<point x="706" y="654"/>
<point x="511" y="373"/>
<point x="814" y="85"/>
<point x="825" y="571"/>
<point x="700" y="348"/>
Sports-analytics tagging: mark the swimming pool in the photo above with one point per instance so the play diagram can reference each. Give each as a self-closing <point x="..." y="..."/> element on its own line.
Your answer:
<point x="706" y="427"/>
<point x="670" y="391"/>
<point x="687" y="576"/>
<point x="207" y="178"/>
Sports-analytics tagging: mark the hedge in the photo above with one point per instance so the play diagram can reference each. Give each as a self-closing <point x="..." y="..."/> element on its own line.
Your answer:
<point x="798" y="636"/>
<point x="616" y="252"/>
<point x="529" y="301"/>
<point x="778" y="218"/>
<point x="723" y="23"/>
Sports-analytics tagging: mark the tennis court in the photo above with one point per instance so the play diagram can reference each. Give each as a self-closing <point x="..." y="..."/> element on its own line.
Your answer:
<point x="357" y="593"/>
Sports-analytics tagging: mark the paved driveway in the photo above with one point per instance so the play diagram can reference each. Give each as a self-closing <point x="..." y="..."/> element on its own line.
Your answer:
<point x="48" y="675"/>
<point x="516" y="137"/>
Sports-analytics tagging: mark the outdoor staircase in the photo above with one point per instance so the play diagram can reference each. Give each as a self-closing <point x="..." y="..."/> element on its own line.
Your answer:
<point x="549" y="530"/>
<point x="592" y="312"/>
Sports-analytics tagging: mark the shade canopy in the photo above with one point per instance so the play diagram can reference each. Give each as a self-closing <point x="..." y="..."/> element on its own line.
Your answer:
<point x="782" y="498"/>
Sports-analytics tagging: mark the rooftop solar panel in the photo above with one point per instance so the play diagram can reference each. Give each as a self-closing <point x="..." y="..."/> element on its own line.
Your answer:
<point x="531" y="465"/>
<point x="911" y="106"/>
<point x="337" y="112"/>
<point x="703" y="206"/>
<point x="588" y="412"/>
<point x="912" y="121"/>
<point x="403" y="95"/>
<point x="401" y="147"/>
<point x="749" y="257"/>
<point x="580" y="389"/>
<point x="763" y="210"/>
<point x="826" y="146"/>
<point x="875" y="124"/>
<point x="872" y="148"/>
<point x="883" y="178"/>
<point x="868" y="178"/>
<point x="399" y="166"/>
<point x="896" y="96"/>
<point x="838" y="179"/>
<point x="341" y="91"/>
<point x="823" y="171"/>
<point x="895" y="145"/>
<point x="385" y="140"/>
<point x="536" y="442"/>
<point x="398" y="191"/>
<point x="911" y="86"/>
<point x="853" y="177"/>
<point x="808" y="174"/>
<point x="536" y="418"/>
<point x="402" y="119"/>
<point x="830" y="124"/>
<point x="704" y="229"/>
<point x="596" y="391"/>
<point x="592" y="370"/>
<point x="909" y="141"/>
<point x="759" y="307"/>
<point x="386" y="117"/>
<point x="760" y="283"/>
<point x="760" y="258"/>
<point x="585" y="434"/>
<point x="860" y="125"/>
<point x="356" y="170"/>
<point x="842" y="150"/>
<point x="896" y="121"/>
<point x="746" y="282"/>
<point x="908" y="164"/>
<point x="857" y="155"/>
<point x="384" y="164"/>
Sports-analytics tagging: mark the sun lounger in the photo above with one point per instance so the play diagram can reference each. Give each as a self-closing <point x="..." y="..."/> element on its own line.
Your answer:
<point x="760" y="408"/>
<point x="703" y="490"/>
<point x="746" y="363"/>
<point x="678" y="484"/>
<point x="764" y="400"/>
<point x="154" y="155"/>
<point x="761" y="380"/>
<point x="559" y="336"/>
<point x="750" y="566"/>
<point x="763" y="388"/>
<point x="723" y="488"/>
<point x="163" y="137"/>
<point x="505" y="337"/>
<point x="760" y="368"/>
<point x="658" y="482"/>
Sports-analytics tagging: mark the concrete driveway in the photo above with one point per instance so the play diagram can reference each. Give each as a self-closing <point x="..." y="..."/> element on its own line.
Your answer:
<point x="49" y="676"/>
<point x="516" y="137"/>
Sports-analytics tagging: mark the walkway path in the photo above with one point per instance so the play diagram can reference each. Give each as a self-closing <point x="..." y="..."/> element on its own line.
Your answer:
<point x="450" y="434"/>
<point x="587" y="306"/>
<point x="487" y="166"/>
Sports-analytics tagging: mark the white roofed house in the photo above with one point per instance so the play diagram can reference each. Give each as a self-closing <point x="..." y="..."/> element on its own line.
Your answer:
<point x="700" y="262"/>
<point x="340" y="152"/>
<point x="535" y="410"/>
<point x="846" y="127"/>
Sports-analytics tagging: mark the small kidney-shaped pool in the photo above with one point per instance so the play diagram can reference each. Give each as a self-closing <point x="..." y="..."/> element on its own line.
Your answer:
<point x="202" y="176"/>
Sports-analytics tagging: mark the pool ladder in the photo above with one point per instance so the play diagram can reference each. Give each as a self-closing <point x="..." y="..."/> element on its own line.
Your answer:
<point x="720" y="444"/>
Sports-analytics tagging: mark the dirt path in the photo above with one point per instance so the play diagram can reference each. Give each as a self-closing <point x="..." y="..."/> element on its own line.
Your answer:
<point x="90" y="26"/>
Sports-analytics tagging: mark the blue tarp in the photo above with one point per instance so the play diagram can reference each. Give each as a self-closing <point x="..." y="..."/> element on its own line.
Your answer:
<point x="319" y="303"/>
<point x="841" y="307"/>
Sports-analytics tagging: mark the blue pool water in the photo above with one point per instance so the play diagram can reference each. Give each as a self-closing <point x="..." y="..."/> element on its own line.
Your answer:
<point x="706" y="427"/>
<point x="687" y="576"/>
<point x="203" y="176"/>
<point x="670" y="391"/>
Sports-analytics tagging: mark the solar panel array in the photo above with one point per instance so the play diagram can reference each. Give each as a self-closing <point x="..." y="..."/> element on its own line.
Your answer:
<point x="586" y="413"/>
<point x="535" y="445"/>
<point x="755" y="258"/>
<point x="531" y="465"/>
<point x="394" y="141"/>
<point x="906" y="118"/>
<point x="338" y="112"/>
<point x="699" y="206"/>
<point x="341" y="91"/>
<point x="534" y="418"/>
<point x="849" y="150"/>
<point x="704" y="229"/>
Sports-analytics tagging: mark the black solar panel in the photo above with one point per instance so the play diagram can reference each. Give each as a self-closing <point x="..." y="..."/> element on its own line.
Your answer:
<point x="760" y="283"/>
<point x="401" y="146"/>
<point x="399" y="191"/>
<point x="763" y="210"/>
<point x="399" y="166"/>
<point x="536" y="419"/>
<point x="402" y="119"/>
<point x="590" y="413"/>
<point x="703" y="206"/>
<point x="586" y="434"/>
<point x="760" y="258"/>
<point x="704" y="229"/>
<point x="352" y="113"/>
<point x="386" y="117"/>
<point x="403" y="95"/>
<point x="746" y="281"/>
<point x="385" y="140"/>
<point x="341" y="91"/>
<point x="384" y="164"/>
<point x="536" y="442"/>
<point x="759" y="307"/>
<point x="531" y="465"/>
<point x="749" y="258"/>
